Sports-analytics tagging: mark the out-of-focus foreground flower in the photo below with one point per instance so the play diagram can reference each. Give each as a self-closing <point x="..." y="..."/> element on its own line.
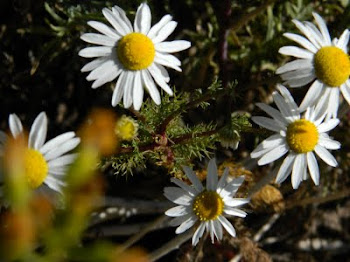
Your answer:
<point x="44" y="164"/>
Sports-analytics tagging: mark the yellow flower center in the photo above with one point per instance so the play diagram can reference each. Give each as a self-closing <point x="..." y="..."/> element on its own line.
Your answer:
<point x="135" y="51"/>
<point x="208" y="205"/>
<point x="302" y="136"/>
<point x="332" y="66"/>
<point x="126" y="128"/>
<point x="35" y="167"/>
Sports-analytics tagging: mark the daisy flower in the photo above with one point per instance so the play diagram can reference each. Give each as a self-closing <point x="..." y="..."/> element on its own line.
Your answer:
<point x="206" y="207"/>
<point x="135" y="54"/>
<point x="297" y="136"/>
<point x="321" y="61"/>
<point x="45" y="164"/>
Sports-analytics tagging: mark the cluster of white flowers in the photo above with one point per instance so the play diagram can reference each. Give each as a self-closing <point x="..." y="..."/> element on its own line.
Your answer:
<point x="300" y="131"/>
<point x="137" y="56"/>
<point x="326" y="64"/>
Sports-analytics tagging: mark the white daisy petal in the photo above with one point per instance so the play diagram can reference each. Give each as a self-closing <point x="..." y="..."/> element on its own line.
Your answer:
<point x="267" y="123"/>
<point x="273" y="155"/>
<point x="99" y="71"/>
<point x="54" y="184"/>
<point x="327" y="126"/>
<point x="323" y="28"/>
<point x="298" y="74"/>
<point x="316" y="34"/>
<point x="117" y="11"/>
<point x="234" y="212"/>
<point x="168" y="60"/>
<point x="227" y="225"/>
<point x="312" y="95"/>
<point x="161" y="69"/>
<point x="58" y="171"/>
<point x="128" y="90"/>
<point x="329" y="143"/>
<point x="260" y="151"/>
<point x="235" y="202"/>
<point x="62" y="149"/>
<point x="293" y="108"/>
<point x="115" y="20"/>
<point x="177" y="211"/>
<point x="179" y="220"/>
<point x="296" y="52"/>
<point x="333" y="103"/>
<point x="313" y="167"/>
<point x="300" y="81"/>
<point x="119" y="89"/>
<point x="104" y="29"/>
<point x="321" y="106"/>
<point x="211" y="230"/>
<point x="345" y="89"/>
<point x="38" y="131"/>
<point x="142" y="21"/>
<point x="326" y="156"/>
<point x="275" y="114"/>
<point x="298" y="168"/>
<point x="301" y="41"/>
<point x="151" y="87"/>
<point x="231" y="188"/>
<point x="223" y="180"/>
<point x="15" y="125"/>
<point x="107" y="76"/>
<point x="95" y="51"/>
<point x="156" y="28"/>
<point x="186" y="225"/>
<point x="99" y="39"/>
<point x="308" y="33"/>
<point x="198" y="234"/>
<point x="193" y="178"/>
<point x="283" y="106"/>
<point x="212" y="175"/>
<point x="285" y="168"/>
<point x="173" y="46"/>
<point x="191" y="190"/>
<point x="294" y="65"/>
<point x="177" y="195"/>
<point x="157" y="76"/>
<point x="94" y="64"/>
<point x="344" y="40"/>
<point x="62" y="161"/>
<point x="137" y="91"/>
<point x="164" y="32"/>
<point x="218" y="229"/>
<point x="269" y="143"/>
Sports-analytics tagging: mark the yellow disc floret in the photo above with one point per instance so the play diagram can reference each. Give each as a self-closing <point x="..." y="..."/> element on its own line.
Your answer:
<point x="208" y="205"/>
<point x="126" y="128"/>
<point x="136" y="51"/>
<point x="332" y="66"/>
<point x="302" y="136"/>
<point x="35" y="167"/>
